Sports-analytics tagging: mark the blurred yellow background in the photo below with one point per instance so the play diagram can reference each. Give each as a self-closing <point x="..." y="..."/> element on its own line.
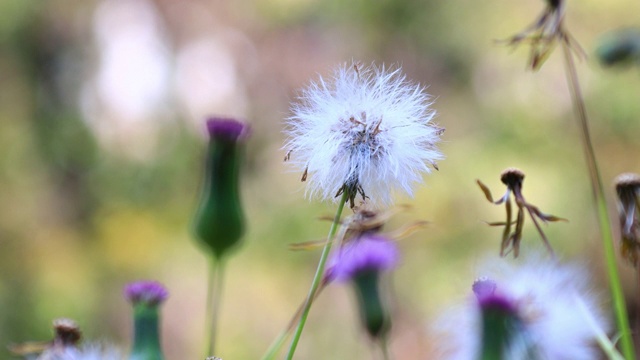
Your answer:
<point x="102" y="109"/>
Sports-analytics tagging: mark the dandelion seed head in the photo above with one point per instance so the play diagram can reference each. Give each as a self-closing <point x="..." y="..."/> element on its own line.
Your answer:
<point x="366" y="128"/>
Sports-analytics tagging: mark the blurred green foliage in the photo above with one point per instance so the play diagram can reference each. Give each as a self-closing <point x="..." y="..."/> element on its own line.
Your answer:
<point x="79" y="217"/>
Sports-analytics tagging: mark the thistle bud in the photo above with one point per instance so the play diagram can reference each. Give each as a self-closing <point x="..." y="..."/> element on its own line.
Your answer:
<point x="219" y="222"/>
<point x="361" y="262"/>
<point x="146" y="297"/>
<point x="621" y="47"/>
<point x="503" y="333"/>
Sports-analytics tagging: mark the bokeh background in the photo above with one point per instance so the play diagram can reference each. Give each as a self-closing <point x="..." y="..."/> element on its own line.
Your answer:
<point x="102" y="109"/>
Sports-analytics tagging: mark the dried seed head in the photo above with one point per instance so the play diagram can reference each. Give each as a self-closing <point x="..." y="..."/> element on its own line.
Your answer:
<point x="554" y="3"/>
<point x="627" y="182"/>
<point x="67" y="332"/>
<point x="512" y="177"/>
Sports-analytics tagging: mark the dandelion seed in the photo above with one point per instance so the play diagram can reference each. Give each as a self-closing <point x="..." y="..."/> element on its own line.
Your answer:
<point x="367" y="131"/>
<point x="513" y="178"/>
<point x="536" y="309"/>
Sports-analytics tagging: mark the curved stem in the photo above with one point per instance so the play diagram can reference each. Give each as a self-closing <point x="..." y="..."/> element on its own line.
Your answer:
<point x="279" y="341"/>
<point x="317" y="279"/>
<point x="622" y="320"/>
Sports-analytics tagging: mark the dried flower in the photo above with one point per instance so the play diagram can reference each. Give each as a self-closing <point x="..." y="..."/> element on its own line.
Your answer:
<point x="219" y="222"/>
<point x="535" y="310"/>
<point x="368" y="131"/>
<point x="628" y="189"/>
<point x="513" y="178"/>
<point x="544" y="33"/>
<point x="65" y="346"/>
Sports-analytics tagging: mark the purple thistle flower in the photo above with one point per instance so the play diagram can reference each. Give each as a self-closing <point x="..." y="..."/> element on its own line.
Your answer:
<point x="145" y="291"/>
<point x="367" y="253"/>
<point x="227" y="129"/>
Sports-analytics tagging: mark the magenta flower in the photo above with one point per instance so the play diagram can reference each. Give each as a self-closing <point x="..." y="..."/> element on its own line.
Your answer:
<point x="148" y="292"/>
<point x="364" y="254"/>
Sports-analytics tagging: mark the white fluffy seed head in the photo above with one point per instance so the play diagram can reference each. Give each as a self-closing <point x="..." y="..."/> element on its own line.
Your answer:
<point x="367" y="127"/>
<point x="560" y="314"/>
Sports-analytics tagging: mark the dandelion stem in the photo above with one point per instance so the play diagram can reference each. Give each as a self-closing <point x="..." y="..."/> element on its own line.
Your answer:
<point x="214" y="297"/>
<point x="317" y="279"/>
<point x="279" y="341"/>
<point x="622" y="320"/>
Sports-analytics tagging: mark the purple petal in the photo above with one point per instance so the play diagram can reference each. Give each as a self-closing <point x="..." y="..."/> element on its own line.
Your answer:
<point x="149" y="292"/>
<point x="368" y="253"/>
<point x="227" y="129"/>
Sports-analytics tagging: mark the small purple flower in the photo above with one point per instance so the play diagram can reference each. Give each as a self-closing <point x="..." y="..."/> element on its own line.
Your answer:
<point x="227" y="129"/>
<point x="145" y="291"/>
<point x="367" y="253"/>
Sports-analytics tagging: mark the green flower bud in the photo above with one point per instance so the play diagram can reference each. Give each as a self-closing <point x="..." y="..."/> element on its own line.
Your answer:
<point x="219" y="222"/>
<point x="361" y="262"/>
<point x="373" y="313"/>
<point x="146" y="297"/>
<point x="621" y="47"/>
<point x="504" y="336"/>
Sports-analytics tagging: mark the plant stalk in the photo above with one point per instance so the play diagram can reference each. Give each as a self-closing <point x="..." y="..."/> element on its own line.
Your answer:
<point x="317" y="279"/>
<point x="622" y="320"/>
<point x="214" y="297"/>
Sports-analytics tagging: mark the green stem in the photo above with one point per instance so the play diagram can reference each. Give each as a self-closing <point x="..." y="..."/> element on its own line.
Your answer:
<point x="608" y="348"/>
<point x="214" y="296"/>
<point x="384" y="346"/>
<point x="622" y="320"/>
<point x="317" y="279"/>
<point x="279" y="341"/>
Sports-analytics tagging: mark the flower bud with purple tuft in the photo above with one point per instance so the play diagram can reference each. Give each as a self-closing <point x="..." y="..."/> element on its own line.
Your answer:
<point x="504" y="335"/>
<point x="537" y="309"/>
<point x="146" y="297"/>
<point x="219" y="223"/>
<point x="360" y="261"/>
